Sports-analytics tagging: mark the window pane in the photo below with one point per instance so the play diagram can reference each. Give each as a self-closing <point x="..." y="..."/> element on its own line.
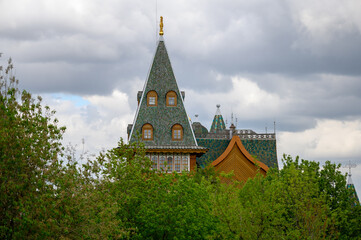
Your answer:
<point x="155" y="162"/>
<point x="161" y="162"/>
<point x="177" y="134"/>
<point x="147" y="134"/>
<point x="177" y="163"/>
<point x="151" y="100"/>
<point x="169" y="164"/>
<point x="185" y="161"/>
<point x="171" y="101"/>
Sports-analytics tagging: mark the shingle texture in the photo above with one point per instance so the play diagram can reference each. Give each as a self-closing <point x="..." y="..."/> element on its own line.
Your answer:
<point x="162" y="80"/>
<point x="199" y="130"/>
<point x="216" y="148"/>
<point x="217" y="124"/>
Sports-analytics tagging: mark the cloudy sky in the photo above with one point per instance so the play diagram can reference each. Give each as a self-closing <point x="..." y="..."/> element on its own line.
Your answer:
<point x="296" y="63"/>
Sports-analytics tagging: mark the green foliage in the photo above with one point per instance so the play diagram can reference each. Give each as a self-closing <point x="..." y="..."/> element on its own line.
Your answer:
<point x="149" y="205"/>
<point x="29" y="147"/>
<point x="46" y="194"/>
<point x="300" y="201"/>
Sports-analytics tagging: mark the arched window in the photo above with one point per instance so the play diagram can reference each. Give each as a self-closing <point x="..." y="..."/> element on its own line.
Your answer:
<point x="171" y="100"/>
<point x="177" y="132"/>
<point x="152" y="98"/>
<point x="147" y="132"/>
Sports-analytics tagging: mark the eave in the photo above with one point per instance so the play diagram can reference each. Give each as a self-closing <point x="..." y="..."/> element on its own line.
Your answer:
<point x="176" y="149"/>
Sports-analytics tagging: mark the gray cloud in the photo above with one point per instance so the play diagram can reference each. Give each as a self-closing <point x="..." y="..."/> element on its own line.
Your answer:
<point x="234" y="37"/>
<point x="293" y="62"/>
<point x="306" y="54"/>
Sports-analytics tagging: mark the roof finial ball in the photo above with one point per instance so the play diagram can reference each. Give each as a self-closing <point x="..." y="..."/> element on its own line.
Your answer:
<point x="218" y="105"/>
<point x="161" y="26"/>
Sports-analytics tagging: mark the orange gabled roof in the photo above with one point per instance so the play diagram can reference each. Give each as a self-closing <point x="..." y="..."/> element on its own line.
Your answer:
<point x="236" y="141"/>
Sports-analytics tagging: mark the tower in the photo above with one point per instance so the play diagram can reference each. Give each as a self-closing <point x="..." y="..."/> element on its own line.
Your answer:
<point x="351" y="186"/>
<point x="161" y="119"/>
<point x="218" y="123"/>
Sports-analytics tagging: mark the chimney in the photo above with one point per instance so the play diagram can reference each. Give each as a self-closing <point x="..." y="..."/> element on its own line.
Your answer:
<point x="232" y="130"/>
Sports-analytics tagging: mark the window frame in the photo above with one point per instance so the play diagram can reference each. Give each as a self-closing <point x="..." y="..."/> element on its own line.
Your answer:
<point x="177" y="162"/>
<point x="152" y="94"/>
<point x="147" y="127"/>
<point x="170" y="162"/>
<point x="171" y="94"/>
<point x="154" y="159"/>
<point x="162" y="159"/>
<point x="177" y="128"/>
<point x="185" y="162"/>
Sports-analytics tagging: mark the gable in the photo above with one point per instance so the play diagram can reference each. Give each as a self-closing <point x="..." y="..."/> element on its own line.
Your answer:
<point x="236" y="158"/>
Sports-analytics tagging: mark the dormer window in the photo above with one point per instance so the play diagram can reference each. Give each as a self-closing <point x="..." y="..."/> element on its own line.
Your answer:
<point x="152" y="98"/>
<point x="177" y="132"/>
<point x="171" y="99"/>
<point x="147" y="132"/>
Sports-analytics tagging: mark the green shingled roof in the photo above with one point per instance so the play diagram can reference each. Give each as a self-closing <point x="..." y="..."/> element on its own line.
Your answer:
<point x="263" y="150"/>
<point x="218" y="123"/>
<point x="216" y="148"/>
<point x="199" y="130"/>
<point x="351" y="187"/>
<point x="162" y="80"/>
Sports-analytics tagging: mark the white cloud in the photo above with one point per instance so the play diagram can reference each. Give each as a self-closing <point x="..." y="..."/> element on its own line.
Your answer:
<point x="111" y="106"/>
<point x="245" y="97"/>
<point x="334" y="140"/>
<point x="101" y="123"/>
<point x="329" y="139"/>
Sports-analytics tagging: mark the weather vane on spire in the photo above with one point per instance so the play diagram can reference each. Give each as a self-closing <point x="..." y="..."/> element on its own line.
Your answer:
<point x="161" y="26"/>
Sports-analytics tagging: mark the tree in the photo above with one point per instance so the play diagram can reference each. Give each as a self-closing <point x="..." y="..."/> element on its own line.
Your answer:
<point x="291" y="203"/>
<point x="147" y="204"/>
<point x="29" y="149"/>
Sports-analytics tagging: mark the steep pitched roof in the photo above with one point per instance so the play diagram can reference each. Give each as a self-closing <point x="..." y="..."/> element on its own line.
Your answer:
<point x="161" y="79"/>
<point x="218" y="123"/>
<point x="236" y="158"/>
<point x="199" y="130"/>
<point x="236" y="141"/>
<point x="351" y="187"/>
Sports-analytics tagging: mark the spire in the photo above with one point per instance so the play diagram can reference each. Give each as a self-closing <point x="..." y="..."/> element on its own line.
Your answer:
<point x="351" y="186"/>
<point x="161" y="105"/>
<point x="161" y="26"/>
<point x="218" y="123"/>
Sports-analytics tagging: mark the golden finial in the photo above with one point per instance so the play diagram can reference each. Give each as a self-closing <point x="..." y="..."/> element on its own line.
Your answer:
<point x="161" y="26"/>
